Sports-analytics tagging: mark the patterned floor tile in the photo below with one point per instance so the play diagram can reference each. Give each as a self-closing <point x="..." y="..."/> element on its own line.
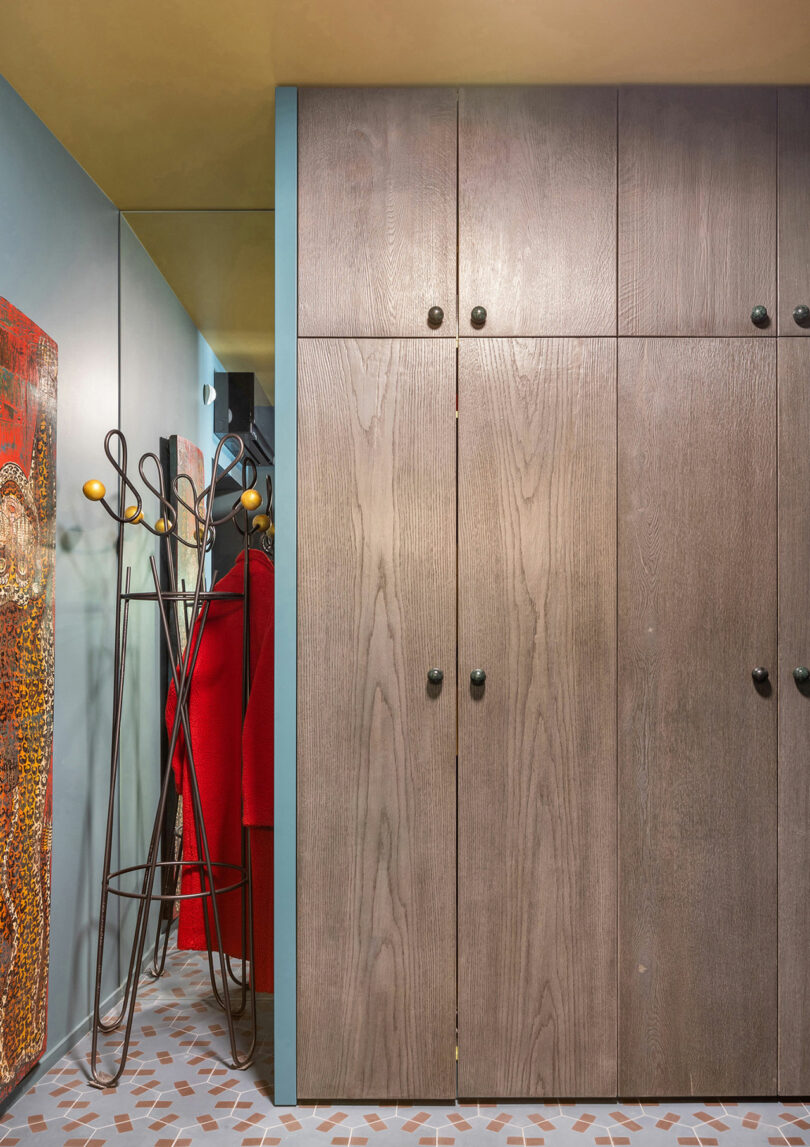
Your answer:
<point x="178" y="1091"/>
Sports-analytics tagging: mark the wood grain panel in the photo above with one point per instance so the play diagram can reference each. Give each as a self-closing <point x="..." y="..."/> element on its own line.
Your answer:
<point x="376" y="210"/>
<point x="376" y="763"/>
<point x="794" y="718"/>
<point x="794" y="207"/>
<point x="697" y="210"/>
<point x="537" y="210"/>
<point x="697" y="741"/>
<point x="537" y="749"/>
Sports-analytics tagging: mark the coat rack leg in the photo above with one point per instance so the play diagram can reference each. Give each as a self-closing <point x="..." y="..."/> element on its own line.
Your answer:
<point x="141" y="927"/>
<point x="118" y="692"/>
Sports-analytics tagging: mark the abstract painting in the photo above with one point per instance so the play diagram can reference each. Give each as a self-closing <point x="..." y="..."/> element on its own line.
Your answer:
<point x="28" y="362"/>
<point x="186" y="458"/>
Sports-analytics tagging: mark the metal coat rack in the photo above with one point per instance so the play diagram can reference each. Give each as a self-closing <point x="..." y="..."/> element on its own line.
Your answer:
<point x="195" y="604"/>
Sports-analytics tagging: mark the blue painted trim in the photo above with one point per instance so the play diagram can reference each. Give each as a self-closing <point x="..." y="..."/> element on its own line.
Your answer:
<point x="286" y="616"/>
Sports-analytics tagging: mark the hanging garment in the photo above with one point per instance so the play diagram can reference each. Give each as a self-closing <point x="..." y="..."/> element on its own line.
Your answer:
<point x="234" y="765"/>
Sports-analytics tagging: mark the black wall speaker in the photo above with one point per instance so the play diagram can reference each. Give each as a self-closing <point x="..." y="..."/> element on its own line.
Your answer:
<point x="237" y="412"/>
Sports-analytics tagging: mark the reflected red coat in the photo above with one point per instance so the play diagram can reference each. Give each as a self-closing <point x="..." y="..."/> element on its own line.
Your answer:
<point x="234" y="763"/>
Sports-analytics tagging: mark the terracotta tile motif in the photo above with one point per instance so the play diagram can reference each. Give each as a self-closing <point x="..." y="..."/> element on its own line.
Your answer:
<point x="179" y="1092"/>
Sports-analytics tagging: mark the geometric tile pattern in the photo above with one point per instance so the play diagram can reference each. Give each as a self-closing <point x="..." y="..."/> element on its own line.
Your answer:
<point x="177" y="1091"/>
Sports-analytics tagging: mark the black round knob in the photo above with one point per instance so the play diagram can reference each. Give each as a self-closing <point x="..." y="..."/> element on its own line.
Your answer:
<point x="478" y="316"/>
<point x="435" y="317"/>
<point x="759" y="316"/>
<point x="435" y="676"/>
<point x="801" y="314"/>
<point x="760" y="674"/>
<point x="801" y="674"/>
<point x="478" y="677"/>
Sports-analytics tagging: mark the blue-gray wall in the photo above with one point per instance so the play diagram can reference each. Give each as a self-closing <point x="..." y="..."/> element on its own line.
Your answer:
<point x="59" y="263"/>
<point x="165" y="362"/>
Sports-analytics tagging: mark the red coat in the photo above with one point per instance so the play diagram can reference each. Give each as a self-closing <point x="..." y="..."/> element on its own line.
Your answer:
<point x="225" y="753"/>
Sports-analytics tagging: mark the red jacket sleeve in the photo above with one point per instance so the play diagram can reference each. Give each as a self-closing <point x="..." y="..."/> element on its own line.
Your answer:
<point x="257" y="732"/>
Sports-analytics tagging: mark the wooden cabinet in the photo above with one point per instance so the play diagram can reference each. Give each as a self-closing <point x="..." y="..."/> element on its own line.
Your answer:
<point x="794" y="717"/>
<point x="697" y="737"/>
<point x="537" y="210"/>
<point x="582" y="855"/>
<point x="377" y="211"/>
<point x="537" y="742"/>
<point x="376" y="763"/>
<point x="794" y="211"/>
<point x="697" y="210"/>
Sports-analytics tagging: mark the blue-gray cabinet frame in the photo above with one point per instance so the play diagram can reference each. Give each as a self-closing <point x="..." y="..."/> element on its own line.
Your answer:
<point x="286" y="613"/>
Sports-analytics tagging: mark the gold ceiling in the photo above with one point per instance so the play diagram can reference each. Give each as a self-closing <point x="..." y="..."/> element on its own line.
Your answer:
<point x="168" y="104"/>
<point x="220" y="265"/>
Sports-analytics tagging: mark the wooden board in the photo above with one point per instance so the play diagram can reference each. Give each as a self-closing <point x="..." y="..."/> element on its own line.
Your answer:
<point x="377" y="210"/>
<point x="537" y="749"/>
<point x="794" y="207"/>
<point x="376" y="756"/>
<point x="537" y="210"/>
<point x="697" y="741"/>
<point x="697" y="210"/>
<point x="794" y="718"/>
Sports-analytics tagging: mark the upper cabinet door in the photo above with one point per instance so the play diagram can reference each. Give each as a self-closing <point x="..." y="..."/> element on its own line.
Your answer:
<point x="697" y="210"/>
<point x="794" y="211"/>
<point x="377" y="211"/>
<point x="537" y="211"/>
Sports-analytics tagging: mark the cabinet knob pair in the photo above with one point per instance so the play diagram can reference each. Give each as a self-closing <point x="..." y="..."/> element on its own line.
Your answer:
<point x="801" y="315"/>
<point x="436" y="676"/>
<point x="801" y="674"/>
<point x="478" y="316"/>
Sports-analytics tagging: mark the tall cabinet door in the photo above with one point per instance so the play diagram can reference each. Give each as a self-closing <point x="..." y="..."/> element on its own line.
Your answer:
<point x="794" y="717"/>
<point x="377" y="211"/>
<point x="537" y="748"/>
<point x="376" y="739"/>
<point x="697" y="210"/>
<point x="697" y="736"/>
<point x="537" y="210"/>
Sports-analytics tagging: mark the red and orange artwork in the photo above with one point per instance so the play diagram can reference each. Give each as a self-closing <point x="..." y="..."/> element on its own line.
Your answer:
<point x="28" y="361"/>
<point x="186" y="458"/>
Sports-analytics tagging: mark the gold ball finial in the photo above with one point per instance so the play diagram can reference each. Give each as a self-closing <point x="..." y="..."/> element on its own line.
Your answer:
<point x="251" y="499"/>
<point x="94" y="490"/>
<point x="272" y="530"/>
<point x="162" y="526"/>
<point x="133" y="514"/>
<point x="261" y="522"/>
